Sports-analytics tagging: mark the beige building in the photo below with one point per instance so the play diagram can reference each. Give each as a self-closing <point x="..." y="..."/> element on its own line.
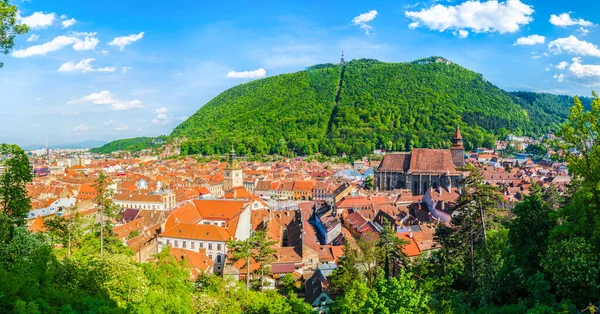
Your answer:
<point x="158" y="201"/>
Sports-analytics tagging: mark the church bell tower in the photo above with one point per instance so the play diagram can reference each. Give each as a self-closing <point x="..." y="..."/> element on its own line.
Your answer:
<point x="458" y="150"/>
<point x="233" y="173"/>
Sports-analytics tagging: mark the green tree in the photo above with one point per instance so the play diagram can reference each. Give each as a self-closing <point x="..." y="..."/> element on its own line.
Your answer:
<point x="9" y="27"/>
<point x="391" y="249"/>
<point x="14" y="201"/>
<point x="106" y="208"/>
<point x="242" y="250"/>
<point x="348" y="270"/>
<point x="67" y="230"/>
<point x="263" y="252"/>
<point x="368" y="183"/>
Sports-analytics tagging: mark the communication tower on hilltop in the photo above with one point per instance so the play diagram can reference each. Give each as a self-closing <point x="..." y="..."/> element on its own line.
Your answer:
<point x="343" y="61"/>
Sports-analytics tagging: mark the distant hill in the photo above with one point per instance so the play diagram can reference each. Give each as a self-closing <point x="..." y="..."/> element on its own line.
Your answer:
<point x="84" y="144"/>
<point x="364" y="105"/>
<point x="129" y="144"/>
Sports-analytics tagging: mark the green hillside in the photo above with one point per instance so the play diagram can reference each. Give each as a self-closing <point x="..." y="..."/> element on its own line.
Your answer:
<point x="129" y="144"/>
<point x="364" y="105"/>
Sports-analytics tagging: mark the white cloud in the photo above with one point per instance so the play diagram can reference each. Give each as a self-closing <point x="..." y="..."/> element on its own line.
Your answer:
<point x="574" y="46"/>
<point x="83" y="66"/>
<point x="109" y="122"/>
<point x="68" y="23"/>
<point x="583" y="31"/>
<point x="564" y="20"/>
<point x="586" y="74"/>
<point x="39" y="98"/>
<point x="258" y="73"/>
<point x="63" y="17"/>
<point x="38" y="20"/>
<point x="363" y="19"/>
<point x="70" y="113"/>
<point x="121" y="127"/>
<point x="479" y="17"/>
<point x="88" y="43"/>
<point x="107" y="98"/>
<point x="535" y="57"/>
<point x="531" y="40"/>
<point x="123" y="41"/>
<point x="162" y="118"/>
<point x="126" y="69"/>
<point x="559" y="77"/>
<point x="82" y="128"/>
<point x="56" y="44"/>
<point x="562" y="65"/>
<point x="461" y="33"/>
<point x="138" y="130"/>
<point x="32" y="38"/>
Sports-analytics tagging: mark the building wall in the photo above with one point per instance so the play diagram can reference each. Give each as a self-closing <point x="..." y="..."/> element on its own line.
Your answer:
<point x="212" y="248"/>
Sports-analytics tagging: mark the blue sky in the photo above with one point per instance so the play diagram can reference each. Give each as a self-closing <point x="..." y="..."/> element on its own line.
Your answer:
<point x="138" y="68"/>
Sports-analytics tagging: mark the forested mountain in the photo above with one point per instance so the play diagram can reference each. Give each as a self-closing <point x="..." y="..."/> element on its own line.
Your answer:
<point x="363" y="105"/>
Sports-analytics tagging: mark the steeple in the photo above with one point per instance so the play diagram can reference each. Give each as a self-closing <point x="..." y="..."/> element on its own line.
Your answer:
<point x="458" y="150"/>
<point x="232" y="159"/>
<point x="457" y="138"/>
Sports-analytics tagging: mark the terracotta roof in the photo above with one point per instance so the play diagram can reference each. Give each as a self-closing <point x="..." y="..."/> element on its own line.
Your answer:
<point x="187" y="213"/>
<point x="147" y="198"/>
<point x="197" y="260"/>
<point x="219" y="209"/>
<point x="395" y="162"/>
<point x="411" y="249"/>
<point x="424" y="160"/>
<point x="198" y="232"/>
<point x="38" y="225"/>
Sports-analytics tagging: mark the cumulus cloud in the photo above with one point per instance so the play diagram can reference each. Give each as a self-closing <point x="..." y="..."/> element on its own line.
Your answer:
<point x="126" y="69"/>
<point x="123" y="41"/>
<point x="479" y="17"/>
<point x="53" y="45"/>
<point x="162" y="118"/>
<point x="38" y="20"/>
<point x="88" y="43"/>
<point x="121" y="127"/>
<point x="572" y="45"/>
<point x="108" y="99"/>
<point x="531" y="40"/>
<point x="461" y="33"/>
<point x="82" y="128"/>
<point x="559" y="77"/>
<point x="258" y="73"/>
<point x="109" y="122"/>
<point x="562" y="65"/>
<point x="586" y="74"/>
<point x="83" y="66"/>
<point x="564" y="20"/>
<point x="363" y="19"/>
<point x="32" y="38"/>
<point x="68" y="23"/>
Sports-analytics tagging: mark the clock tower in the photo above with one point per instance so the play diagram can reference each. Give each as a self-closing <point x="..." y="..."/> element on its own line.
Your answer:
<point x="233" y="173"/>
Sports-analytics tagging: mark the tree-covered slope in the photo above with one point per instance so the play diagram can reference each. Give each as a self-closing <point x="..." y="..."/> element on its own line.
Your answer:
<point x="129" y="144"/>
<point x="364" y="105"/>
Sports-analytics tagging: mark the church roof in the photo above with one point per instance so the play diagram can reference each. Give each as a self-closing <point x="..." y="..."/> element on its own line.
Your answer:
<point x="431" y="161"/>
<point x="395" y="162"/>
<point x="420" y="160"/>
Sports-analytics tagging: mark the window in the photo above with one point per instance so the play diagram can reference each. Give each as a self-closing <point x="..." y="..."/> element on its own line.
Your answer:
<point x="176" y="244"/>
<point x="168" y="242"/>
<point x="210" y="256"/>
<point x="183" y="244"/>
<point x="210" y="246"/>
<point x="201" y="245"/>
<point x="218" y="258"/>
<point x="218" y="246"/>
<point x="192" y="245"/>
